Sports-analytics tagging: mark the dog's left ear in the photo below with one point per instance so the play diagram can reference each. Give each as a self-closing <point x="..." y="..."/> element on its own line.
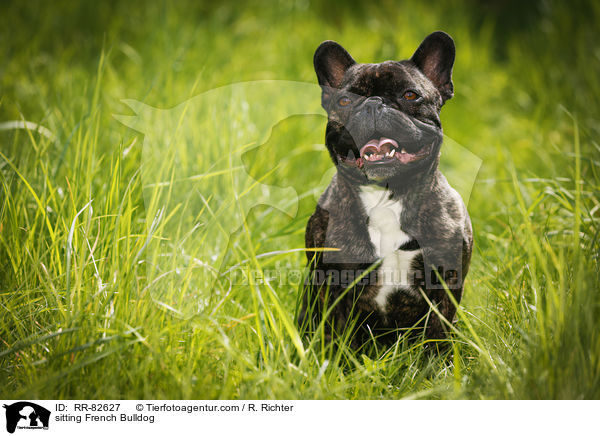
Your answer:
<point x="435" y="58"/>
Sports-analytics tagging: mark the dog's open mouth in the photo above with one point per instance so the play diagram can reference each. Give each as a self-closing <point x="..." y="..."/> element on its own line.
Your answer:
<point x="385" y="150"/>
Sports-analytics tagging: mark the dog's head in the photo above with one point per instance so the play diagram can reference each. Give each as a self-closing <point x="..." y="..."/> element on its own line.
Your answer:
<point x="384" y="118"/>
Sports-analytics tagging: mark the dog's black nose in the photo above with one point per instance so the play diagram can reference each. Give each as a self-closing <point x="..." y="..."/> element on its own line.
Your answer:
<point x="373" y="105"/>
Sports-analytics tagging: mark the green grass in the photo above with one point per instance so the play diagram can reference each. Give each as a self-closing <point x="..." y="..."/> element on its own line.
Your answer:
<point x="81" y="315"/>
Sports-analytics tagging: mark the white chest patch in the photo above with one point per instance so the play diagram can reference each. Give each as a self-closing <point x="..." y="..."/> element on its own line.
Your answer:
<point x="384" y="219"/>
<point x="387" y="236"/>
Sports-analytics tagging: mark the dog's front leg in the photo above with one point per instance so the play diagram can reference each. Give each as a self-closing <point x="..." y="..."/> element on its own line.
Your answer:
<point x="444" y="284"/>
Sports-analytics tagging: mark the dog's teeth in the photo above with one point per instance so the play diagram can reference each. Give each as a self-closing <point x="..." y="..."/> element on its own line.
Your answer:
<point x="393" y="152"/>
<point x="403" y="151"/>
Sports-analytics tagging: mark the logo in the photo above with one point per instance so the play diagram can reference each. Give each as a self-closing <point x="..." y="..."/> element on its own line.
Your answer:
<point x="225" y="157"/>
<point x="26" y="415"/>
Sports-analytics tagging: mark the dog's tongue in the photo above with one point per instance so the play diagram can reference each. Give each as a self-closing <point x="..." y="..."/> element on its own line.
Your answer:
<point x="376" y="144"/>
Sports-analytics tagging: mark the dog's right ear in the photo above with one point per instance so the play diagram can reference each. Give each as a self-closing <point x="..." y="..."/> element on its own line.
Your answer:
<point x="331" y="63"/>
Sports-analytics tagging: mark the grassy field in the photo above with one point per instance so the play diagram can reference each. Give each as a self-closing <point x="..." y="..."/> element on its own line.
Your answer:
<point x="82" y="226"/>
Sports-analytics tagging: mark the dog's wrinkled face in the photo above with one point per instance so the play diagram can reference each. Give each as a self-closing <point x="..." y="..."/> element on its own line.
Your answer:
<point x="384" y="118"/>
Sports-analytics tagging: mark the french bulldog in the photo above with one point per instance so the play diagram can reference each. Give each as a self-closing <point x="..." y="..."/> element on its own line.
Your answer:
<point x="395" y="239"/>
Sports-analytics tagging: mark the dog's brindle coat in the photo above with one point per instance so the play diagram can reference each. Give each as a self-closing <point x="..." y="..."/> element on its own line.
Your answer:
<point x="388" y="203"/>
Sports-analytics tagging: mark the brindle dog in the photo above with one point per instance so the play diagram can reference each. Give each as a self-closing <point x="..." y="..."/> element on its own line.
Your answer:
<point x="388" y="209"/>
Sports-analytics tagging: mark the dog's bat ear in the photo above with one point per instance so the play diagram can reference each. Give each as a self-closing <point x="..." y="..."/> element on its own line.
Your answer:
<point x="331" y="62"/>
<point x="435" y="58"/>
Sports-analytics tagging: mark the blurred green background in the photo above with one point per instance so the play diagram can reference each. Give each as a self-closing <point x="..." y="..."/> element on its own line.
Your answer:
<point x="77" y="320"/>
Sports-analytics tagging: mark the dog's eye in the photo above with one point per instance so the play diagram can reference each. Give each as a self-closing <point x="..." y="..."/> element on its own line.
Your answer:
<point x="410" y="95"/>
<point x="344" y="101"/>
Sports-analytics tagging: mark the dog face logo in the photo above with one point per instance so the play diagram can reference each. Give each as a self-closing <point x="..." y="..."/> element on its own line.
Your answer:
<point x="213" y="161"/>
<point x="24" y="414"/>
